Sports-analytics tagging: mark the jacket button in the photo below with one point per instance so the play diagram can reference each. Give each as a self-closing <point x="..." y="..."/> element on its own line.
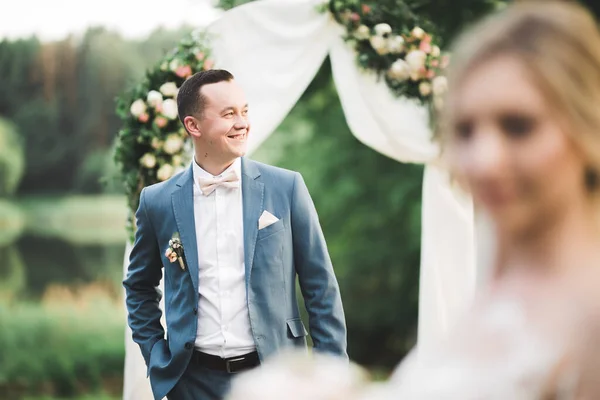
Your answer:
<point x="189" y="345"/>
<point x="195" y="311"/>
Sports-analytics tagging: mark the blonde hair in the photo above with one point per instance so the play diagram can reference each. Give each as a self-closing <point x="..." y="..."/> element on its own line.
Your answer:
<point x="559" y="42"/>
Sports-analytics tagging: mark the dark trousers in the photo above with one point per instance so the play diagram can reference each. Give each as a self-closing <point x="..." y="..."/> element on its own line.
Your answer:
<point x="201" y="383"/>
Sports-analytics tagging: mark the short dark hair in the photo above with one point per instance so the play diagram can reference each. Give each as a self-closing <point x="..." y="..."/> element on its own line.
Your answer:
<point x="189" y="99"/>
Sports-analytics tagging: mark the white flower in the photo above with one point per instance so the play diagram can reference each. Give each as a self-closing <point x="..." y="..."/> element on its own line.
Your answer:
<point x="148" y="160"/>
<point x="169" y="108"/>
<point x="169" y="89"/>
<point x="178" y="161"/>
<point x="154" y="98"/>
<point x="399" y="70"/>
<point x="137" y="108"/>
<point x="165" y="172"/>
<point x="425" y="88"/>
<point x="173" y="144"/>
<point x="174" y="64"/>
<point x="418" y="33"/>
<point x="379" y="44"/>
<point x="156" y="143"/>
<point x="416" y="60"/>
<point x="435" y="51"/>
<point x="382" y="29"/>
<point x="164" y="66"/>
<point x="440" y="85"/>
<point x="395" y="44"/>
<point x="362" y="33"/>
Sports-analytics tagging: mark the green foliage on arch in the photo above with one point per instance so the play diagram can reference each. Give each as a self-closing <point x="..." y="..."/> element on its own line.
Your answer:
<point x="152" y="144"/>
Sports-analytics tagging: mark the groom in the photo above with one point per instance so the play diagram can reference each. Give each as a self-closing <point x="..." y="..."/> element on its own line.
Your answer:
<point x="230" y="236"/>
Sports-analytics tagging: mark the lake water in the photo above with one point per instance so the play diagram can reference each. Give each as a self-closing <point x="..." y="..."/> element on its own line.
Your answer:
<point x="70" y="246"/>
<point x="32" y="264"/>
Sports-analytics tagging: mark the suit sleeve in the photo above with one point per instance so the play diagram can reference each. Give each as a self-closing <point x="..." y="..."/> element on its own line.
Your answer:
<point x="141" y="284"/>
<point x="318" y="283"/>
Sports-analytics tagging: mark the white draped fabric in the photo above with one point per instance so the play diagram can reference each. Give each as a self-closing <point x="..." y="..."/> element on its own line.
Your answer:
<point x="274" y="48"/>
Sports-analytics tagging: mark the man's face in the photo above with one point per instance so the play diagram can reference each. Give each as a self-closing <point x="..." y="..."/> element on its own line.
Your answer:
<point x="222" y="130"/>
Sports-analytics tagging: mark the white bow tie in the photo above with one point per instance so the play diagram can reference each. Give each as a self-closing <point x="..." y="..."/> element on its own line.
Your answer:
<point x="229" y="180"/>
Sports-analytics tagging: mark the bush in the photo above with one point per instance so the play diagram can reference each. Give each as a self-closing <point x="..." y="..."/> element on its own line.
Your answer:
<point x="12" y="160"/>
<point x="70" y="344"/>
<point x="12" y="222"/>
<point x="91" y="176"/>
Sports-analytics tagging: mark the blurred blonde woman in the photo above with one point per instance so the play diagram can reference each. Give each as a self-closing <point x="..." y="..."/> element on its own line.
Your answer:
<point x="521" y="131"/>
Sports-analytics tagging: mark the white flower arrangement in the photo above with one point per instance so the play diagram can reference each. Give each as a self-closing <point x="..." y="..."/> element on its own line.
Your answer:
<point x="169" y="109"/>
<point x="148" y="160"/>
<point x="138" y="108"/>
<point x="165" y="172"/>
<point x="169" y="89"/>
<point x="154" y="98"/>
<point x="150" y="121"/>
<point x="409" y="59"/>
<point x="173" y="144"/>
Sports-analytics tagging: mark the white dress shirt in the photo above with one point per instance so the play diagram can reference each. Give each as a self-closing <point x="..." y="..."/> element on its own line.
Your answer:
<point x="223" y="322"/>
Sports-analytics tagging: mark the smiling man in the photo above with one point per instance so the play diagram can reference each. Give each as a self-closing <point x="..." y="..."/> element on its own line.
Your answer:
<point x="230" y="236"/>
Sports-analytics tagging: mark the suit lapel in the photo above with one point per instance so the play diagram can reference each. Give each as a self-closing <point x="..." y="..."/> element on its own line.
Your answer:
<point x="252" y="198"/>
<point x="182" y="200"/>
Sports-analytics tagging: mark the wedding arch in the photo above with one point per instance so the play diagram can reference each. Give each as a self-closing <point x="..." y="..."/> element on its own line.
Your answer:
<point x="388" y="77"/>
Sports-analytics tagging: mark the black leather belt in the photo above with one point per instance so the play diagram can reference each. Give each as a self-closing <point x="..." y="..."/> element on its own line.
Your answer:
<point x="230" y="365"/>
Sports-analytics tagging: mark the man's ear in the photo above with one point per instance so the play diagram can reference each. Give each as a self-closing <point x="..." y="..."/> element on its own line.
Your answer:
<point x="192" y="125"/>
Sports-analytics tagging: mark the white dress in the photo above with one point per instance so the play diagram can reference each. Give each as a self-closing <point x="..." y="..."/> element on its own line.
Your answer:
<point x="499" y="355"/>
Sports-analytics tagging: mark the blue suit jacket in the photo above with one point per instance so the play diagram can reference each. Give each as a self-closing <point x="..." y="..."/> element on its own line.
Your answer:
<point x="274" y="256"/>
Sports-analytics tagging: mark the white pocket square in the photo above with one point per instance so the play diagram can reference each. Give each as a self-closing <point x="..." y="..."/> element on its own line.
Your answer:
<point x="266" y="219"/>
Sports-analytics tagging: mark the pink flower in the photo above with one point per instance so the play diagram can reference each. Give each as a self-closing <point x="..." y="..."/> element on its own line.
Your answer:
<point x="184" y="71"/>
<point x="346" y="16"/>
<point x="208" y="64"/>
<point x="425" y="45"/>
<point x="143" y="118"/>
<point x="158" y="107"/>
<point x="200" y="56"/>
<point x="430" y="74"/>
<point x="161" y="122"/>
<point x="355" y="17"/>
<point x="168" y="252"/>
<point x="366" y="9"/>
<point x="173" y="257"/>
<point x="435" y="63"/>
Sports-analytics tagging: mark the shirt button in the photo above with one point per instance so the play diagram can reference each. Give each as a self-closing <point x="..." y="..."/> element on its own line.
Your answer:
<point x="189" y="345"/>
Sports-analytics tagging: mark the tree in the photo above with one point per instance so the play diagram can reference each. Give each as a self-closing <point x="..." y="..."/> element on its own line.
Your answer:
<point x="367" y="204"/>
<point x="60" y="95"/>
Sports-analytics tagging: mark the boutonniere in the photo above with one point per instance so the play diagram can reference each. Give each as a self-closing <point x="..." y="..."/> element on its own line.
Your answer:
<point x="175" y="250"/>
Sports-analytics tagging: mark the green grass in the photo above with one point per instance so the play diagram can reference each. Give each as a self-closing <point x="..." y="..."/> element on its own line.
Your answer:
<point x="71" y="344"/>
<point x="77" y="219"/>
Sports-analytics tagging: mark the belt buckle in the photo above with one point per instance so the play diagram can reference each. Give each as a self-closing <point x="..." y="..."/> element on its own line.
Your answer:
<point x="230" y="362"/>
